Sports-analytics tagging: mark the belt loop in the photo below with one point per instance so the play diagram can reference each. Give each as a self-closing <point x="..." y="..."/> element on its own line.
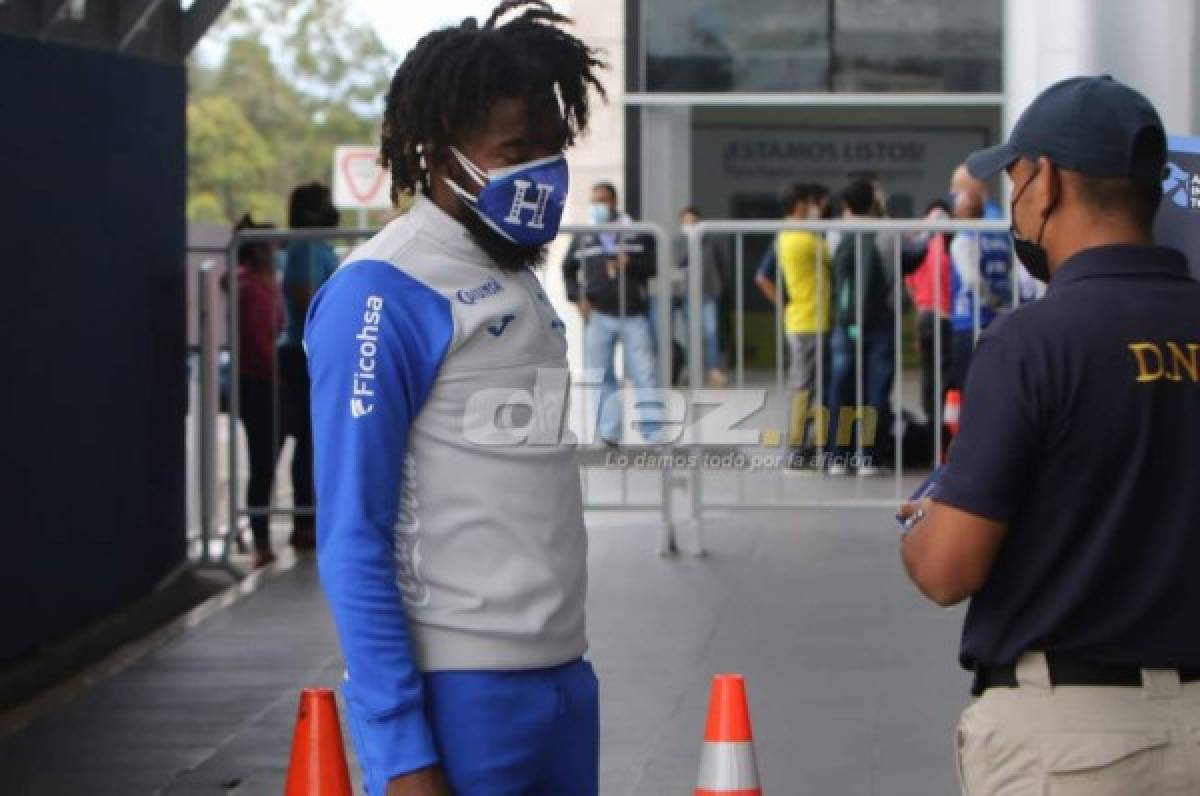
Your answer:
<point x="1161" y="683"/>
<point x="1033" y="671"/>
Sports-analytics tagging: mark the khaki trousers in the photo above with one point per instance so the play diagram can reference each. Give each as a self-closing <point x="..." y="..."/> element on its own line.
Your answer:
<point x="1041" y="740"/>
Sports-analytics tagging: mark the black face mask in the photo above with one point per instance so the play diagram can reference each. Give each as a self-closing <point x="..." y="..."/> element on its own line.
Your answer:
<point x="1031" y="253"/>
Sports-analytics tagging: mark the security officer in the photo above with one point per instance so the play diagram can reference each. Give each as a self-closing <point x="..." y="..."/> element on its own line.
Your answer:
<point x="1069" y="510"/>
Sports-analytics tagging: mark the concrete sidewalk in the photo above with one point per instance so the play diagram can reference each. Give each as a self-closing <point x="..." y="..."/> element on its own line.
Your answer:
<point x="852" y="679"/>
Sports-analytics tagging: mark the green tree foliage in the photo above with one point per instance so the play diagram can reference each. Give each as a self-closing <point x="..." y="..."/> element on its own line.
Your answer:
<point x="294" y="80"/>
<point x="228" y="162"/>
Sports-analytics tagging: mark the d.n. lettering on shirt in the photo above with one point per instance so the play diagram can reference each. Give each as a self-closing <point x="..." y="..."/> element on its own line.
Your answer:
<point x="1166" y="361"/>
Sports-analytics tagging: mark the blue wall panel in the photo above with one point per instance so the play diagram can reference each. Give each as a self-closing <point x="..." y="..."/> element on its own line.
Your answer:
<point x="92" y="338"/>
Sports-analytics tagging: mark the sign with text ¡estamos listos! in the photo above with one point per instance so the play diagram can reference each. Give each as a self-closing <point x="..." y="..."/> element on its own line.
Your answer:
<point x="358" y="181"/>
<point x="1178" y="221"/>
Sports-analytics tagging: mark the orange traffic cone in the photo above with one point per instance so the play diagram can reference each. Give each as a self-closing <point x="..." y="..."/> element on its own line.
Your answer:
<point x="318" y="765"/>
<point x="728" y="766"/>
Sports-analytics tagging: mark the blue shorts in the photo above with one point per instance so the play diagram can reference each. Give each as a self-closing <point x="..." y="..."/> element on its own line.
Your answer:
<point x="524" y="733"/>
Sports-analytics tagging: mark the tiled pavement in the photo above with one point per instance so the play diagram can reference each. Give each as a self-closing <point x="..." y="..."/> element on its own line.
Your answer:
<point x="852" y="678"/>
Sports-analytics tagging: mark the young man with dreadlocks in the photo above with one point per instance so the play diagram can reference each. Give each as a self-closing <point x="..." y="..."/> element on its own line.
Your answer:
<point x="455" y="566"/>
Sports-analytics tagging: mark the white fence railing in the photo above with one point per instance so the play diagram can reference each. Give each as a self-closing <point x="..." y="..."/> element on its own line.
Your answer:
<point x="707" y="474"/>
<point x="822" y="491"/>
<point x="220" y="492"/>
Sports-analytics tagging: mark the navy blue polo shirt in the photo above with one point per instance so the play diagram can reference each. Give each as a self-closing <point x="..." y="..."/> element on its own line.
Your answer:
<point x="1081" y="431"/>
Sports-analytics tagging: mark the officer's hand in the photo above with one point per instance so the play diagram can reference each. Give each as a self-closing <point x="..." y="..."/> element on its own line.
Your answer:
<point x="913" y="512"/>
<point x="585" y="309"/>
<point x="426" y="782"/>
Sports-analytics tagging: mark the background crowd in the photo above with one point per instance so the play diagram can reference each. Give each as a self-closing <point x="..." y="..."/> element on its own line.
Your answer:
<point x="836" y="295"/>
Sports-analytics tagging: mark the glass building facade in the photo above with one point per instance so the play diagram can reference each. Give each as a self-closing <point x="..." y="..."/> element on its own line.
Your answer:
<point x="853" y="46"/>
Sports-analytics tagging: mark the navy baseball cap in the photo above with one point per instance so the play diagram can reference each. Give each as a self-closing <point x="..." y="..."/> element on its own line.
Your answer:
<point x="1096" y="126"/>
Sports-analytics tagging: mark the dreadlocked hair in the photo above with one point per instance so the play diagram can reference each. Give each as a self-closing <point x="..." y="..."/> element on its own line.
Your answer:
<point x="450" y="80"/>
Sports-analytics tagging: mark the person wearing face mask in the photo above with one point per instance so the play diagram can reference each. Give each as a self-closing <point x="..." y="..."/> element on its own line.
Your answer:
<point x="961" y="182"/>
<point x="606" y="275"/>
<point x="451" y="541"/>
<point x="307" y="266"/>
<point x="804" y="291"/>
<point x="1067" y="511"/>
<point x="820" y="208"/>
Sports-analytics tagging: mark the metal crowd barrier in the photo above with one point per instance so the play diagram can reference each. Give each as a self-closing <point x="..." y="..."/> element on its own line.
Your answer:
<point x="660" y="296"/>
<point x="212" y="278"/>
<point x="857" y="493"/>
<point x="694" y="480"/>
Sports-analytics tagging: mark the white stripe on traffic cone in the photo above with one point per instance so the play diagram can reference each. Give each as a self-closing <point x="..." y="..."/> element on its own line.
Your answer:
<point x="728" y="769"/>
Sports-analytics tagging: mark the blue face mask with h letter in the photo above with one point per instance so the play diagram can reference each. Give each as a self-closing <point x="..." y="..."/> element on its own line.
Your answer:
<point x="524" y="203"/>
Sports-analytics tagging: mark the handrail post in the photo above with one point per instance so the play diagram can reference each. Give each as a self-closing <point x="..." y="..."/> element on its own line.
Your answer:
<point x="695" y="299"/>
<point x="666" y="369"/>
<point x="205" y="423"/>
<point x="231" y="320"/>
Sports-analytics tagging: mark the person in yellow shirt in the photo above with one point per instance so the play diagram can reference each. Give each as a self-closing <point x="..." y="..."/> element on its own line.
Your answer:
<point x="802" y="258"/>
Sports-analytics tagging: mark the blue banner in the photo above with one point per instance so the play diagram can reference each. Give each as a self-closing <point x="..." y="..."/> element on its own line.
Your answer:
<point x="1178" y="222"/>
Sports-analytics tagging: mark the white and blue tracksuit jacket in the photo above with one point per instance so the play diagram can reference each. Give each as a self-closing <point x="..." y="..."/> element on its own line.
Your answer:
<point x="446" y="541"/>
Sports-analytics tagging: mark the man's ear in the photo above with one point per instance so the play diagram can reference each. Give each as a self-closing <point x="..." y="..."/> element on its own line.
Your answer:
<point x="1050" y="185"/>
